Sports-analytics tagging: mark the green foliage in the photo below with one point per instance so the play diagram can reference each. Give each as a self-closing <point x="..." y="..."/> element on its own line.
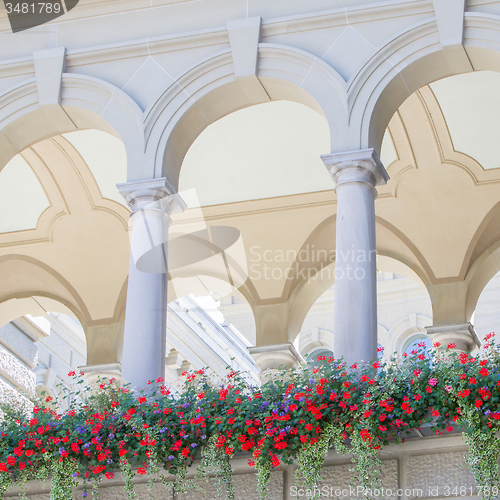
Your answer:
<point x="296" y="417"/>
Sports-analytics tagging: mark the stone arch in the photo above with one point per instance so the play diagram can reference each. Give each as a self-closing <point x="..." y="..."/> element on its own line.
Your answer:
<point x="25" y="277"/>
<point x="408" y="61"/>
<point x="482" y="261"/>
<point x="309" y="291"/>
<point x="86" y="103"/>
<point x="209" y="91"/>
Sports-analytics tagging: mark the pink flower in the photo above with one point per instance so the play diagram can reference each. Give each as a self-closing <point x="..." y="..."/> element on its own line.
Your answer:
<point x="448" y="388"/>
<point x="433" y="381"/>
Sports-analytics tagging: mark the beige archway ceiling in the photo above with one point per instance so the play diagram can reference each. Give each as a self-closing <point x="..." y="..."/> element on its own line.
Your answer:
<point x="471" y="107"/>
<point x="22" y="197"/>
<point x="67" y="245"/>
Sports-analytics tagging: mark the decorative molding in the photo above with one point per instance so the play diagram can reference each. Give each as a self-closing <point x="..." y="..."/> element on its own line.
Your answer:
<point x="356" y="166"/>
<point x="11" y="368"/>
<point x="462" y="335"/>
<point x="50" y="64"/>
<point x="152" y="194"/>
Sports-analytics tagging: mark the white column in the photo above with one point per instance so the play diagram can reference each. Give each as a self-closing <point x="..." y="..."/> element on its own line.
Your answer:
<point x="355" y="173"/>
<point x="152" y="202"/>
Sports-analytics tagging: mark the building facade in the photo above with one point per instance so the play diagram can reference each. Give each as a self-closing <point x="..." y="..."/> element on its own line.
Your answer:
<point x="268" y="154"/>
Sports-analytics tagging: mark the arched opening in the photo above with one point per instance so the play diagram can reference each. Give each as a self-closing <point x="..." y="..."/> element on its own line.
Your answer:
<point x="42" y="343"/>
<point x="209" y="323"/>
<point x="211" y="93"/>
<point x="486" y="316"/>
<point x="263" y="151"/>
<point x="404" y="310"/>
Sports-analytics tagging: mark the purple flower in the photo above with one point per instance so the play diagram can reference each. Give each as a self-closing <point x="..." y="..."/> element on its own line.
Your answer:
<point x="171" y="457"/>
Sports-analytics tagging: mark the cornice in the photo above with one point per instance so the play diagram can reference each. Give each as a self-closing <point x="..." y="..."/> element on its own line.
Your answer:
<point x="262" y="206"/>
<point x="215" y="36"/>
<point x="346" y="16"/>
<point x="147" y="46"/>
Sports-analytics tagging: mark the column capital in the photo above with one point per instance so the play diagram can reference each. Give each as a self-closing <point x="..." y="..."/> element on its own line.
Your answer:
<point x="93" y="373"/>
<point x="270" y="357"/>
<point x="152" y="194"/>
<point x="360" y="166"/>
<point x="462" y="335"/>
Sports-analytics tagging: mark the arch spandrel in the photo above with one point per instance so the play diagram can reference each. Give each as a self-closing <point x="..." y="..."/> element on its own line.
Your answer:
<point x="86" y="103"/>
<point x="408" y="61"/>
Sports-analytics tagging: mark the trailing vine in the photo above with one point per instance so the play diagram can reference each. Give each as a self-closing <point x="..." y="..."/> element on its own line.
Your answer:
<point x="484" y="451"/>
<point x="263" y="476"/>
<point x="128" y="477"/>
<point x="366" y="462"/>
<point x="63" y="481"/>
<point x="216" y="465"/>
<point x="310" y="459"/>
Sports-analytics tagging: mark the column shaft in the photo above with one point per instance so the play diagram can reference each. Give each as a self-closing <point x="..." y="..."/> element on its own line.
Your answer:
<point x="355" y="174"/>
<point x="355" y="316"/>
<point x="144" y="343"/>
<point x="145" y="335"/>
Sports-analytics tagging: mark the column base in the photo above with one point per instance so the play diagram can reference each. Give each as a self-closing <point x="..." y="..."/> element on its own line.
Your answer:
<point x="462" y="335"/>
<point x="269" y="358"/>
<point x="92" y="373"/>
